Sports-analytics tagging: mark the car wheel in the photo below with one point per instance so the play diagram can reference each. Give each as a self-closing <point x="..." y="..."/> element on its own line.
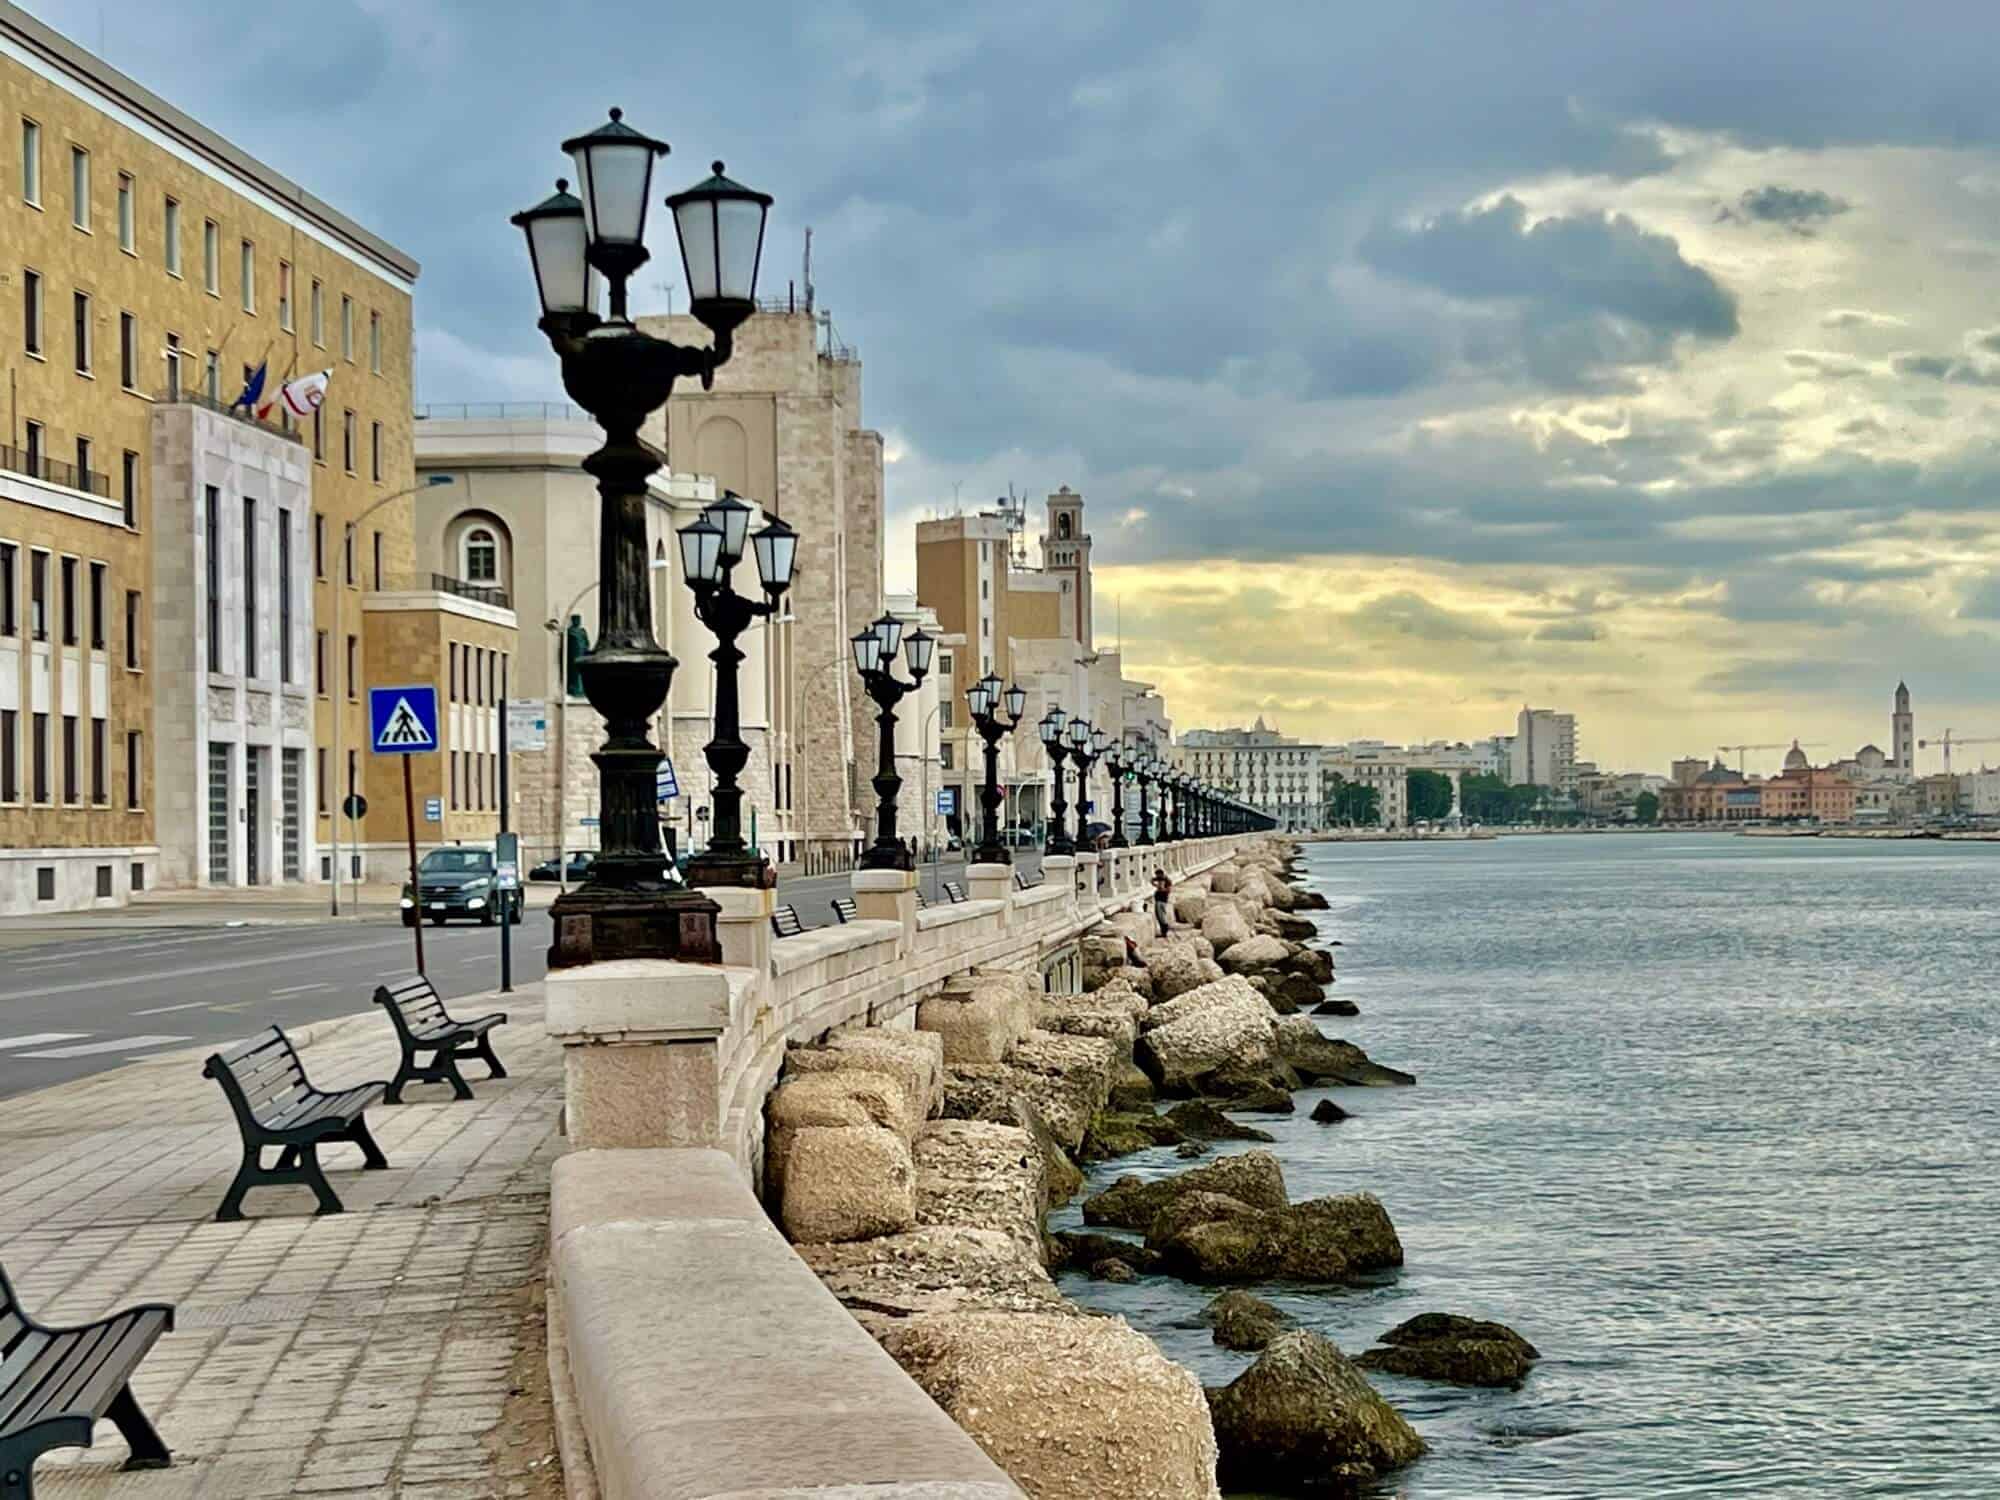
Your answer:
<point x="514" y="917"/>
<point x="409" y="920"/>
<point x="486" y="916"/>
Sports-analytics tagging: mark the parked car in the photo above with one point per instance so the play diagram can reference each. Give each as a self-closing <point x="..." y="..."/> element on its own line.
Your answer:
<point x="578" y="866"/>
<point x="458" y="882"/>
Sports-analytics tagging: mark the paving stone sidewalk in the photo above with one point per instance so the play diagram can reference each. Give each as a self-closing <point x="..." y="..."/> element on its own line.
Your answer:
<point x="393" y="1350"/>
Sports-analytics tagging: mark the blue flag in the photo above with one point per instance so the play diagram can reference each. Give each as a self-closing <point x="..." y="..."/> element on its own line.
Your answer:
<point x="252" y="389"/>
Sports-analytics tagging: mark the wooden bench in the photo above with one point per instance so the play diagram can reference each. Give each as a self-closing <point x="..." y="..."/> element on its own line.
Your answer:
<point x="1022" y="883"/>
<point x="843" y="909"/>
<point x="785" y="921"/>
<point x="275" y="1106"/>
<point x="56" y="1383"/>
<point x="422" y="1026"/>
<point x="921" y="902"/>
<point x="954" y="892"/>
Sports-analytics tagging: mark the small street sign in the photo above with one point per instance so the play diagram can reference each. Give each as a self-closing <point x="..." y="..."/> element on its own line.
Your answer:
<point x="947" y="804"/>
<point x="507" y="862"/>
<point x="587" y="822"/>
<point x="355" y="806"/>
<point x="527" y="724"/>
<point x="403" y="720"/>
<point x="665" y="786"/>
<point x="433" y="809"/>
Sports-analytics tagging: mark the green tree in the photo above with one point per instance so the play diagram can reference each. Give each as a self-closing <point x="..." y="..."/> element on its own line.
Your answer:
<point x="1429" y="796"/>
<point x="1647" y="808"/>
<point x="1352" y="805"/>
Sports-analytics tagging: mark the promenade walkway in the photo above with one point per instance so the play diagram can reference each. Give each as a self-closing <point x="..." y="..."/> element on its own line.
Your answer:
<point x="395" y="1350"/>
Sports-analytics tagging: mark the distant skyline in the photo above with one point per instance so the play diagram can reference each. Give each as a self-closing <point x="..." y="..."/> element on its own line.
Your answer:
<point x="1415" y="361"/>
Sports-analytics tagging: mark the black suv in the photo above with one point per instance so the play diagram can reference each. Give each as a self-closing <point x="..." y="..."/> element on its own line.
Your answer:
<point x="458" y="882"/>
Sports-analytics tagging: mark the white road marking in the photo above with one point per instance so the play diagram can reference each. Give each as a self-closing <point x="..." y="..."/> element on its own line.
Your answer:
<point x="161" y="1010"/>
<point x="41" y="1037"/>
<point x="296" y="989"/>
<point x="264" y="961"/>
<point x="118" y="1044"/>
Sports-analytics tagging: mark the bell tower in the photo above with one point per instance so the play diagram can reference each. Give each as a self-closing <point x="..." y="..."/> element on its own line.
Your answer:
<point x="1066" y="555"/>
<point x="1903" y="735"/>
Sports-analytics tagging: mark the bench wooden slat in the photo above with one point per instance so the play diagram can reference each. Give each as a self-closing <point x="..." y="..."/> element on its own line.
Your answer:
<point x="785" y="921"/>
<point x="119" y="1342"/>
<point x="116" y="1363"/>
<point x="422" y="1024"/>
<point x="263" y="1040"/>
<point x="28" y="1400"/>
<point x="21" y="1356"/>
<point x="843" y="908"/>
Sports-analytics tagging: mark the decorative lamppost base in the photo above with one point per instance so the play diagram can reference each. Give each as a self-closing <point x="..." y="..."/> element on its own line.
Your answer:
<point x="749" y="871"/>
<point x="595" y="924"/>
<point x="875" y="857"/>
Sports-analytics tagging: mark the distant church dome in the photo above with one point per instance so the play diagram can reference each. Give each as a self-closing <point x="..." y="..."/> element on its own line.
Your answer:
<point x="1715" y="775"/>
<point x="1870" y="758"/>
<point x="1795" y="758"/>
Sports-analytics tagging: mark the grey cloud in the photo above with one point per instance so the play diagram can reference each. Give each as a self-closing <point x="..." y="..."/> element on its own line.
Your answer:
<point x="1796" y="208"/>
<point x="1944" y="367"/>
<point x="1826" y="366"/>
<point x="1855" y="317"/>
<point x="1571" y="630"/>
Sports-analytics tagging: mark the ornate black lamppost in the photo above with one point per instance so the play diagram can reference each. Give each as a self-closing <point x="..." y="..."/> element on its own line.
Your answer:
<point x="1119" y="759"/>
<point x="580" y="246"/>
<point x="1146" y="767"/>
<point x="875" y="651"/>
<point x="1079" y="734"/>
<point x="1055" y="837"/>
<point x="710" y="550"/>
<point x="1177" y="821"/>
<point x="985" y="698"/>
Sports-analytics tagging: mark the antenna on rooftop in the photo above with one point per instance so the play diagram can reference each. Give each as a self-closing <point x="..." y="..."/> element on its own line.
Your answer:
<point x="807" y="276"/>
<point x="1015" y="509"/>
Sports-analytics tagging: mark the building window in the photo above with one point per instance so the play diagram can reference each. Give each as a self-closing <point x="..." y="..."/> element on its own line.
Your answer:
<point x="10" y="755"/>
<point x="482" y="556"/>
<point x="353" y="673"/>
<point x="944" y="665"/>
<point x="250" y="661"/>
<point x="346" y="327"/>
<point x="319" y="545"/>
<point x="319" y="434"/>
<point x="285" y="295"/>
<point x="31" y="163"/>
<point x="377" y="548"/>
<point x="33" y="432"/>
<point x="128" y="351"/>
<point x="38" y="595"/>
<point x="72" y="770"/>
<point x="347" y="557"/>
<point x="31" y="311"/>
<point x="319" y="663"/>
<point x="130" y="479"/>
<point x="100" y="788"/>
<point x="375" y="342"/>
<point x="451" y="680"/>
<point x="944" y="713"/>
<point x="133" y="624"/>
<point x="85" y="470"/>
<point x="126" y="232"/>
<point x="211" y="375"/>
<point x="319" y="779"/>
<point x="944" y="755"/>
<point x="347" y="440"/>
<point x="316" y="311"/>
<point x="39" y="753"/>
<point x="9" y="601"/>
<point x="375" y="451"/>
<point x="97" y="606"/>
<point x="80" y="326"/>
<point x="284" y="596"/>
<point x="45" y="882"/>
<point x="79" y="188"/>
<point x="247" y="262"/>
<point x="454" y="780"/>
<point x="170" y="236"/>
<point x="211" y="257"/>
<point x="135" y="775"/>
<point x="212" y="571"/>
<point x="173" y="358"/>
<point x="69" y="601"/>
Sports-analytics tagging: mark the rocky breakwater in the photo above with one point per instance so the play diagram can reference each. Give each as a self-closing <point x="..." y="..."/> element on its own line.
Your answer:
<point x="913" y="1173"/>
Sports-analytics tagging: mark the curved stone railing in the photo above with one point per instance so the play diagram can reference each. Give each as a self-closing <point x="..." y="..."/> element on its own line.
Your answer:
<point x="692" y="1353"/>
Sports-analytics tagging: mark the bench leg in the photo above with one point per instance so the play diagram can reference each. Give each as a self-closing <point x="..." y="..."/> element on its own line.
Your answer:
<point x="485" y="1051"/>
<point x="246" y="1178"/>
<point x="17" y="1471"/>
<point x="372" y="1158"/>
<point x="406" y="1072"/>
<point x="447" y="1067"/>
<point x="148" y="1452"/>
<point x="329" y="1202"/>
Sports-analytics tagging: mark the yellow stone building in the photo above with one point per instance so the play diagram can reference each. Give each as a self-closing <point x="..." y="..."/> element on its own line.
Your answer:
<point x="171" y="573"/>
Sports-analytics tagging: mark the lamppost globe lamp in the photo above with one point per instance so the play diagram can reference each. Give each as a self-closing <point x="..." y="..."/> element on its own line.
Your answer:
<point x="867" y="651"/>
<point x="982" y="695"/>
<point x="777" y="549"/>
<point x="1017" y="701"/>
<point x="721" y="228"/>
<point x="889" y="631"/>
<point x="731" y="517"/>
<point x="984" y="698"/>
<point x="627" y="907"/>
<point x="1055" y="839"/>
<point x="917" y="649"/>
<point x="875" y="652"/>
<point x="701" y="553"/>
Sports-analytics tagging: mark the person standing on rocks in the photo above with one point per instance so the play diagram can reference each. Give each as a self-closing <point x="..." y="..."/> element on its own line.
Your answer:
<point x="1162" y="890"/>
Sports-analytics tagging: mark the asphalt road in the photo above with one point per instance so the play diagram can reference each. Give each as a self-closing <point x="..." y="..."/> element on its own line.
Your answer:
<point x="76" y="1004"/>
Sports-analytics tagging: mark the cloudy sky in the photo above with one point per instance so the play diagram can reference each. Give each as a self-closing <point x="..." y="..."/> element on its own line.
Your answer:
<point x="1415" y="360"/>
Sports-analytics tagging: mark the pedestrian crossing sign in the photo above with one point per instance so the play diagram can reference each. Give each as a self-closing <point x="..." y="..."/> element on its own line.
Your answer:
<point x="403" y="720"/>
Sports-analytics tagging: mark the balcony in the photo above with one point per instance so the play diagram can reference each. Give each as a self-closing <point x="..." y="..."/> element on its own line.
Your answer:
<point x="479" y="593"/>
<point x="49" y="471"/>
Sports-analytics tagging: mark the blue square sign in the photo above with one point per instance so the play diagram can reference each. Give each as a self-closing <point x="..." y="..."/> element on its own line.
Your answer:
<point x="403" y="720"/>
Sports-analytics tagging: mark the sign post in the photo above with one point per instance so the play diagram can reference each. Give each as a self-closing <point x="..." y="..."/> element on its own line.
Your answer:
<point x="506" y="860"/>
<point x="404" y="721"/>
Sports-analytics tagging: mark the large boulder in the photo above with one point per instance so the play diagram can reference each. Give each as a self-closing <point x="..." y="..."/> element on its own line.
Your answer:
<point x="1130" y="980"/>
<point x="977" y="1017"/>
<point x="826" y="1099"/>
<point x="1277" y="893"/>
<point x="1114" y="1135"/>
<point x="849" y="1182"/>
<point x="915" y="1060"/>
<point x="1243" y="1321"/>
<point x="1223" y="881"/>
<point x="1189" y="905"/>
<point x="1218" y="1236"/>
<point x="1066" y="1078"/>
<point x="1460" y="1351"/>
<point x="1199" y="1120"/>
<point x="1255" y="955"/>
<point x="1253" y="1178"/>
<point x="1304" y="1419"/>
<point x="1262" y="1089"/>
<point x="1175" y="968"/>
<point x="1293" y="929"/>
<point x="1309" y="1051"/>
<point x="1061" y="1180"/>
<point x="1297" y="991"/>
<point x="933" y="1270"/>
<point x="1223" y="926"/>
<point x="1315" y="964"/>
<point x="1356" y="1224"/>
<point x="972" y="1174"/>
<point x="1131" y="1089"/>
<point x="1080" y="1250"/>
<point x="1071" y="1408"/>
<point x="1231" y="1032"/>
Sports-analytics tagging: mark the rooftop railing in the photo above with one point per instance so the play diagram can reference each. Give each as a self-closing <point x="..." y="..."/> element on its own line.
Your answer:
<point x="501" y="411"/>
<point x="41" y="466"/>
<point x="482" y="593"/>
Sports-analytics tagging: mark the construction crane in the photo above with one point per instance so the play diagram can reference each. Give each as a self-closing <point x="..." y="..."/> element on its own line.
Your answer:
<point x="1782" y="745"/>
<point x="1951" y="739"/>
